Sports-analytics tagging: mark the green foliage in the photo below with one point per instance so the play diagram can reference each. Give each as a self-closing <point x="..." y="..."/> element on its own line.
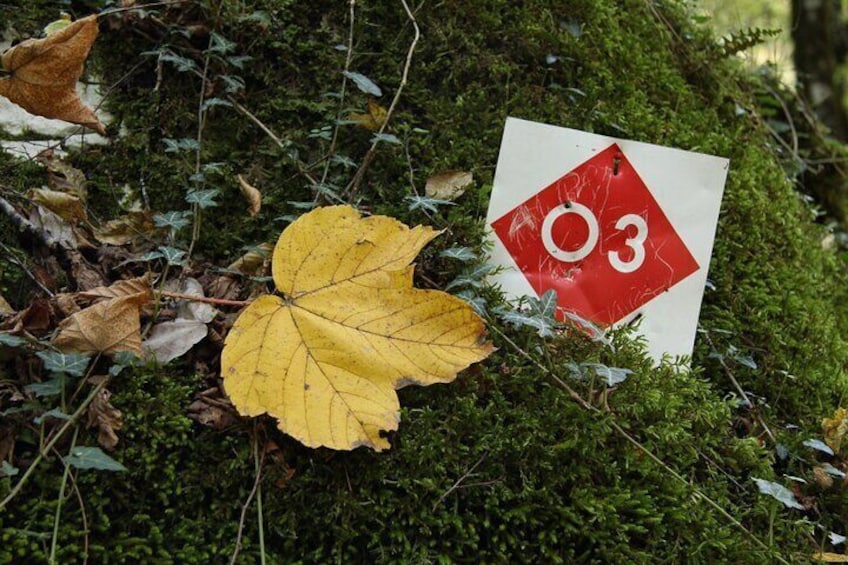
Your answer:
<point x="502" y="465"/>
<point x="744" y="39"/>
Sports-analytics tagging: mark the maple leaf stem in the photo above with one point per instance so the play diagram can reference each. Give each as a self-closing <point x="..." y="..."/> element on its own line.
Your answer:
<point x="216" y="301"/>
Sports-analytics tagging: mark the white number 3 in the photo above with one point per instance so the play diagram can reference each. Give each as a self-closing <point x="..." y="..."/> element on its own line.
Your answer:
<point x="635" y="243"/>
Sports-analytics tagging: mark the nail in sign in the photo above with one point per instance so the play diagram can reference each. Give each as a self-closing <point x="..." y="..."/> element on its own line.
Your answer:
<point x="617" y="228"/>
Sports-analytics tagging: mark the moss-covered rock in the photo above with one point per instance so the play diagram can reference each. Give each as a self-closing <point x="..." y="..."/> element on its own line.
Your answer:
<point x="501" y="466"/>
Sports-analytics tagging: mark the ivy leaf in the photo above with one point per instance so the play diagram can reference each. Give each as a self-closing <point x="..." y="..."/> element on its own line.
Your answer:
<point x="778" y="492"/>
<point x="611" y="375"/>
<point x="175" y="221"/>
<point x="50" y="387"/>
<point x="172" y="255"/>
<point x="326" y="357"/>
<point x="425" y="203"/>
<point x="818" y="445"/>
<point x="8" y="469"/>
<point x="44" y="74"/>
<point x="203" y="198"/>
<point x="459" y="253"/>
<point x="364" y="83"/>
<point x="386" y="138"/>
<point x="54" y="413"/>
<point x="73" y="364"/>
<point x="92" y="458"/>
<point x="10" y="340"/>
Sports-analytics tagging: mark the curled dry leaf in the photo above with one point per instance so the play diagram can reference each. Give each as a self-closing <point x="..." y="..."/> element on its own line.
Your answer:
<point x="110" y="325"/>
<point x="61" y="176"/>
<point x="67" y="206"/>
<point x="251" y="263"/>
<point x="449" y="185"/>
<point x="106" y="418"/>
<point x="326" y="357"/>
<point x="44" y="74"/>
<point x="251" y="194"/>
<point x="373" y="120"/>
<point x="170" y="340"/>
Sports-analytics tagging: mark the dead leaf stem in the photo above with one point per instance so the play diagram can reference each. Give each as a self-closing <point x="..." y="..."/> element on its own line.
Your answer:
<point x="353" y="186"/>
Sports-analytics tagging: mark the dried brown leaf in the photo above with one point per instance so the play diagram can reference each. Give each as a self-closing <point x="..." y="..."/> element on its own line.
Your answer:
<point x="251" y="194"/>
<point x="65" y="304"/>
<point x="106" y="418"/>
<point x="36" y="319"/>
<point x="137" y="288"/>
<point x="85" y="274"/>
<point x="106" y="327"/>
<point x="44" y="73"/>
<point x="69" y="207"/>
<point x="211" y="408"/>
<point x="125" y="229"/>
<point x="373" y="119"/>
<point x="449" y="185"/>
<point x="5" y="307"/>
<point x="62" y="176"/>
<point x="252" y="262"/>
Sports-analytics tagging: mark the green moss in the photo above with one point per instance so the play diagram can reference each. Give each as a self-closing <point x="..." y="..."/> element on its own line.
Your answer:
<point x="501" y="466"/>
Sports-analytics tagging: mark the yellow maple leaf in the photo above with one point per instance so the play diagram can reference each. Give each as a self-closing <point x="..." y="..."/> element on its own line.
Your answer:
<point x="45" y="73"/>
<point x="326" y="357"/>
<point x="373" y="120"/>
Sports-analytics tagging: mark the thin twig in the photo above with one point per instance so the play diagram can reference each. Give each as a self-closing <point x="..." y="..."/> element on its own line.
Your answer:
<point x="201" y="122"/>
<point x="741" y="391"/>
<point x="10" y="256"/>
<point x="82" y="515"/>
<point x="633" y="441"/>
<point x="459" y="481"/>
<point x="56" y="519"/>
<point x="301" y="166"/>
<point x="25" y="225"/>
<point x="247" y="502"/>
<point x="207" y="300"/>
<point x="108" y="12"/>
<point x="331" y="150"/>
<point x="353" y="186"/>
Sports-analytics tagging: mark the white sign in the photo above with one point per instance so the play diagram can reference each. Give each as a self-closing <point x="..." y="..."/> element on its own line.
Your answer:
<point x="619" y="229"/>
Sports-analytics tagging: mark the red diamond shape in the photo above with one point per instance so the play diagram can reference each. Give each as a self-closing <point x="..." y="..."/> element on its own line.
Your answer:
<point x="596" y="236"/>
